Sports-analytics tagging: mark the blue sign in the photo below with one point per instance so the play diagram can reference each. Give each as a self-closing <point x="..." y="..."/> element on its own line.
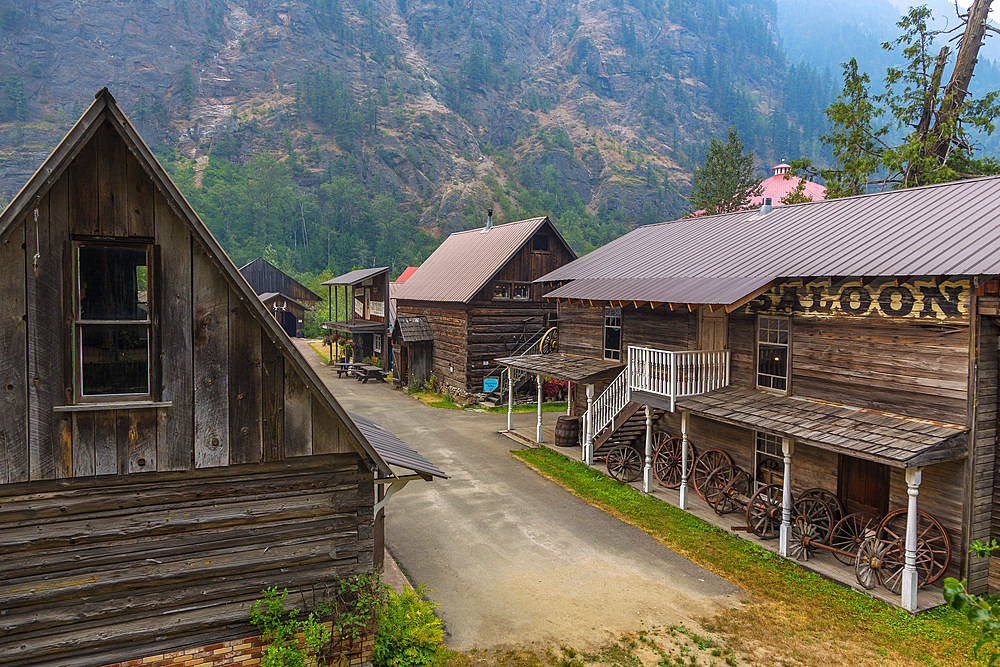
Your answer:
<point x="490" y="384"/>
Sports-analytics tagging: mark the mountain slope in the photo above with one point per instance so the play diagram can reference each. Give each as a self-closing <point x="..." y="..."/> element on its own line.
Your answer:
<point x="593" y="111"/>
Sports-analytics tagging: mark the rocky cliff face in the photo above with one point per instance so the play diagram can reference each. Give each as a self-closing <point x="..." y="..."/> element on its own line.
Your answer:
<point x="460" y="102"/>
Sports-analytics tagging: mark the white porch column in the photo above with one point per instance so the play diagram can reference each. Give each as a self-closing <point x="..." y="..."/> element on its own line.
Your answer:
<point x="569" y="398"/>
<point x="685" y="421"/>
<point x="538" y="431"/>
<point x="786" y="498"/>
<point x="647" y="472"/>
<point x="910" y="581"/>
<point x="510" y="398"/>
<point x="588" y="440"/>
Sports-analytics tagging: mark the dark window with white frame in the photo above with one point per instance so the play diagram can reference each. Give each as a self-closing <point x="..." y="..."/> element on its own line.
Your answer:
<point x="769" y="462"/>
<point x="613" y="334"/>
<point x="518" y="291"/>
<point x="773" y="335"/>
<point x="113" y="323"/>
<point x="377" y="343"/>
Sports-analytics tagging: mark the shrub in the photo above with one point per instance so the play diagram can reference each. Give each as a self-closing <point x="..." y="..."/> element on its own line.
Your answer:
<point x="279" y="631"/>
<point x="410" y="634"/>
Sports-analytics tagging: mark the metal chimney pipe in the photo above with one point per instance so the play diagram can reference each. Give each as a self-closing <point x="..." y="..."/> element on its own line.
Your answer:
<point x="489" y="221"/>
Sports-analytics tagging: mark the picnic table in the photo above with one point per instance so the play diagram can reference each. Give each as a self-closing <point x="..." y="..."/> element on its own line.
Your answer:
<point x="367" y="372"/>
<point x="346" y="367"/>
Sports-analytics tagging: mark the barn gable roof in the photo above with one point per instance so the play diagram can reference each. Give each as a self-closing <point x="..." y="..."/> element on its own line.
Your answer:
<point x="468" y="260"/>
<point x="266" y="266"/>
<point x="948" y="229"/>
<point x="104" y="108"/>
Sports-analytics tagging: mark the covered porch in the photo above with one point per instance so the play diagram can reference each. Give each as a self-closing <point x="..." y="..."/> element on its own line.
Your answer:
<point x="578" y="371"/>
<point x="833" y="486"/>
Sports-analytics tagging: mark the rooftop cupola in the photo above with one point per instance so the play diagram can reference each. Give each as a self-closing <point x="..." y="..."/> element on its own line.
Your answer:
<point x="781" y="169"/>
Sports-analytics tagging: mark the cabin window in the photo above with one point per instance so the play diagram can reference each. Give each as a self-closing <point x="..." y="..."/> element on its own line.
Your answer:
<point x="521" y="291"/>
<point x="772" y="353"/>
<point x="501" y="291"/>
<point x="377" y="344"/>
<point x="540" y="243"/>
<point x="613" y="334"/>
<point x="769" y="463"/>
<point x="112" y="320"/>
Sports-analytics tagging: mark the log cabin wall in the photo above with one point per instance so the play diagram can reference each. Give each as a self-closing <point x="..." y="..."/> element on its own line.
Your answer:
<point x="80" y="559"/>
<point x="449" y="322"/>
<point x="500" y="329"/>
<point x="231" y="448"/>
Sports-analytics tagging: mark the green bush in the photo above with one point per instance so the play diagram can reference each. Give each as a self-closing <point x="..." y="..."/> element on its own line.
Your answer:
<point x="279" y="630"/>
<point x="410" y="633"/>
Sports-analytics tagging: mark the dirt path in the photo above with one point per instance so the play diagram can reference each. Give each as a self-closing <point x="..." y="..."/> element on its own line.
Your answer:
<point x="513" y="558"/>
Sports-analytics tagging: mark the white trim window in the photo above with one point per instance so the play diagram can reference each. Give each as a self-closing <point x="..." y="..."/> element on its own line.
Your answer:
<point x="377" y="343"/>
<point x="613" y="334"/>
<point x="773" y="335"/>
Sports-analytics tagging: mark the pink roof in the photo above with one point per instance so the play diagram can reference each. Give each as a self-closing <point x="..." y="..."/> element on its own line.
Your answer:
<point x="406" y="274"/>
<point x="781" y="184"/>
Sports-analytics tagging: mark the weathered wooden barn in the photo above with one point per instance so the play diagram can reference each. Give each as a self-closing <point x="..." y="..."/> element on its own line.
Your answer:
<point x="847" y="345"/>
<point x="476" y="292"/>
<point x="364" y="295"/>
<point x="165" y="451"/>
<point x="284" y="297"/>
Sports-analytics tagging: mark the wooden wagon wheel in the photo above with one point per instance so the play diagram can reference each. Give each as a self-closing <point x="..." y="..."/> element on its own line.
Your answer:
<point x="890" y="574"/>
<point x="764" y="511"/>
<point x="830" y="499"/>
<point x="707" y="461"/>
<point x="893" y="527"/>
<point x="848" y="534"/>
<point x="815" y="512"/>
<point x="549" y="342"/>
<point x="717" y="481"/>
<point x="868" y="563"/>
<point x="804" y="535"/>
<point x="667" y="459"/>
<point x="624" y="463"/>
<point x="735" y="494"/>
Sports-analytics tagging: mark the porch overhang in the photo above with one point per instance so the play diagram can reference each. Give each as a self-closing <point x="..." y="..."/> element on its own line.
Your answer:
<point x="894" y="440"/>
<point x="571" y="367"/>
<point x="356" y="326"/>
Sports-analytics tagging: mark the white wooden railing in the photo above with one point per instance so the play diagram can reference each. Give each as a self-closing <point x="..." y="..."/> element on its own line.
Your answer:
<point x="608" y="405"/>
<point x="675" y="374"/>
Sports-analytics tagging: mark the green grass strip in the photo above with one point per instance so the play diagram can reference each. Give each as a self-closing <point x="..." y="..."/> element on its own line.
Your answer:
<point x="939" y="636"/>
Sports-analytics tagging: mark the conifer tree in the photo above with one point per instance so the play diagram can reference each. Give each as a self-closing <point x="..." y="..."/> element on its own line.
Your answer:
<point x="726" y="181"/>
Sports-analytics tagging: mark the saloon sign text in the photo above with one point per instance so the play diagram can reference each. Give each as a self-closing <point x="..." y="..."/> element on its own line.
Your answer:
<point x="944" y="300"/>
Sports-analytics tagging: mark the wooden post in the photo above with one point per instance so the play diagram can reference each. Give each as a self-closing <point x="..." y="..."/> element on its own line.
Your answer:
<point x="510" y="398"/>
<point x="647" y="471"/>
<point x="538" y="430"/>
<point x="685" y="423"/>
<point x="329" y="314"/>
<point x="588" y="442"/>
<point x="569" y="398"/>
<point x="910" y="581"/>
<point x="786" y="498"/>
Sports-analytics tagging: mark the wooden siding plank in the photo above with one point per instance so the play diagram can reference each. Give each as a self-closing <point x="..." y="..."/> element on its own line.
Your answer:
<point x="141" y="198"/>
<point x="141" y="451"/>
<point x="327" y="434"/>
<point x="105" y="444"/>
<point x="211" y="362"/>
<point x="13" y="353"/>
<point x="175" y="430"/>
<point x="84" y="459"/>
<point x="244" y="384"/>
<point x="49" y="437"/>
<point x="83" y="198"/>
<point x="272" y="403"/>
<point x="297" y="415"/>
<point x="112" y="189"/>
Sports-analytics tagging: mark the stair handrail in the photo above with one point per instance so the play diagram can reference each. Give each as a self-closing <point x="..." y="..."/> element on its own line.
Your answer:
<point x="608" y="405"/>
<point x="525" y="348"/>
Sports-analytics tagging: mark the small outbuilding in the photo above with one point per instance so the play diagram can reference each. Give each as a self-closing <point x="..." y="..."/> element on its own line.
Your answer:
<point x="284" y="297"/>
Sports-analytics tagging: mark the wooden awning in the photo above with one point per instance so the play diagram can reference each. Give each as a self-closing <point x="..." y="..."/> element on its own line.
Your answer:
<point x="895" y="440"/>
<point x="570" y="367"/>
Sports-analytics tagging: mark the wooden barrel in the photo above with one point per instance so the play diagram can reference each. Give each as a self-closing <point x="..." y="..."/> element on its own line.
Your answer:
<point x="568" y="431"/>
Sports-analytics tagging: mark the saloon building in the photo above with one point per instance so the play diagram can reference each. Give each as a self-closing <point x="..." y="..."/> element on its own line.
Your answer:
<point x="842" y="349"/>
<point x="166" y="453"/>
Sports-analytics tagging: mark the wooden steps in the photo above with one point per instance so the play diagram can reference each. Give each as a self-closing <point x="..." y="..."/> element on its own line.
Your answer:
<point x="628" y="428"/>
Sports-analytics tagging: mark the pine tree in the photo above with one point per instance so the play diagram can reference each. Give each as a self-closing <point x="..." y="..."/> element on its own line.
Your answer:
<point x="726" y="181"/>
